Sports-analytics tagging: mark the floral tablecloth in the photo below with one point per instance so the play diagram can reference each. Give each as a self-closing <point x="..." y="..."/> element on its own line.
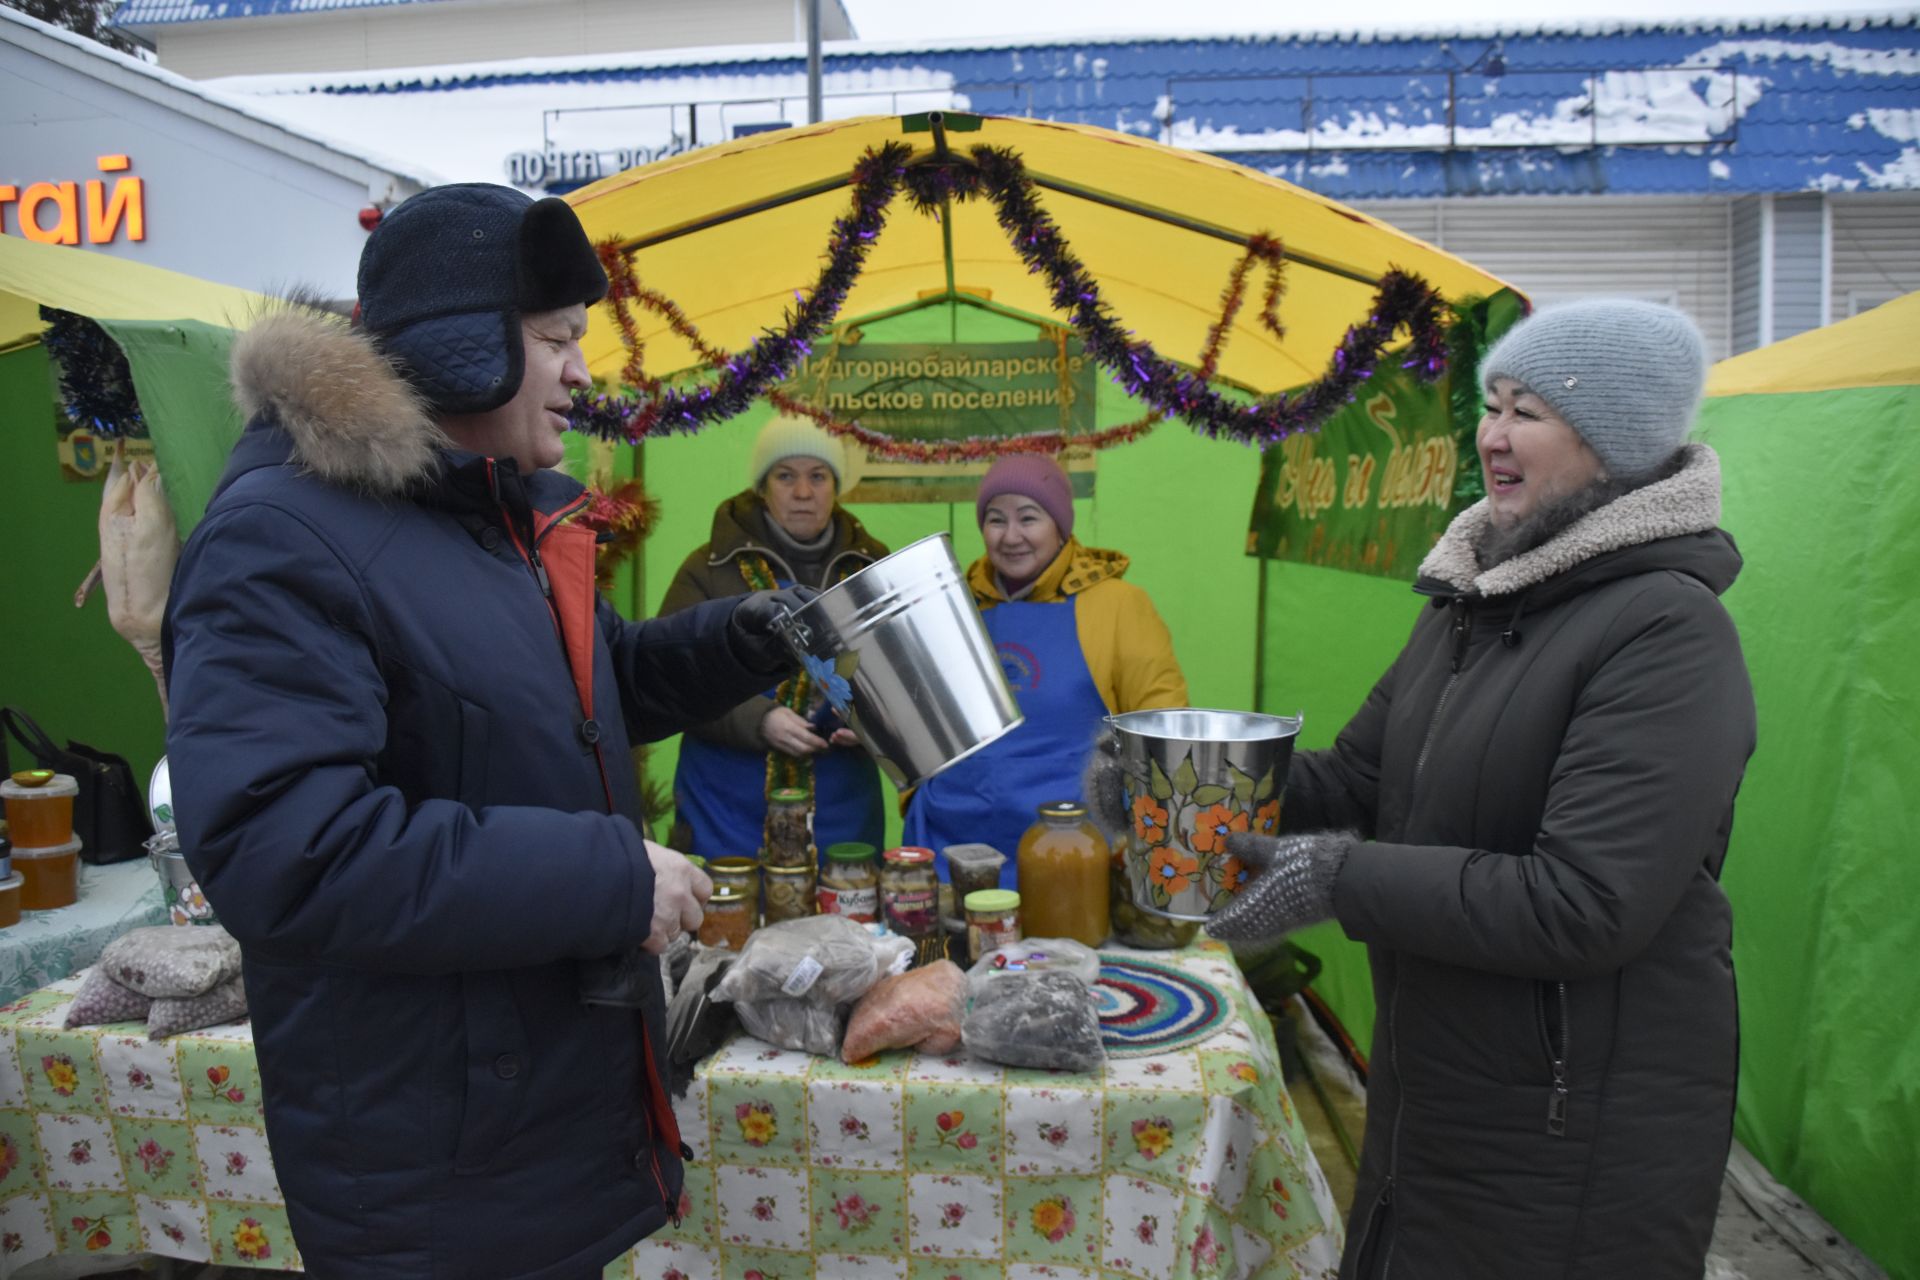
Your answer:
<point x="1189" y="1163"/>
<point x="111" y="1143"/>
<point x="47" y="945"/>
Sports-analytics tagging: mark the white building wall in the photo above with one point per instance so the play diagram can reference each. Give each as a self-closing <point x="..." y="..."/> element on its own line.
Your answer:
<point x="1875" y="251"/>
<point x="1553" y="248"/>
<point x="450" y="31"/>
<point x="223" y="205"/>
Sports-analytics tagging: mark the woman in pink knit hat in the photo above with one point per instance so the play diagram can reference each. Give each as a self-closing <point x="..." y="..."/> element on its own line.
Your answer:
<point x="1077" y="643"/>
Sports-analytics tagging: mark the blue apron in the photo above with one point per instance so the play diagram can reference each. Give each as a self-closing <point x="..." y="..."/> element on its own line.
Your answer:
<point x="720" y="792"/>
<point x="992" y="796"/>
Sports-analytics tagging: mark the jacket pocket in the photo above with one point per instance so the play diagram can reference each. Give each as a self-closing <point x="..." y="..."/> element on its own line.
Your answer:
<point x="498" y="1066"/>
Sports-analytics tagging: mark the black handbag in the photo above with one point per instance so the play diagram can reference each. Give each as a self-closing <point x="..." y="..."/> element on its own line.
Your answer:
<point x="110" y="813"/>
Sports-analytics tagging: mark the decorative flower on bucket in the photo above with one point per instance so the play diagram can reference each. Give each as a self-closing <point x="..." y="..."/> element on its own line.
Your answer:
<point x="831" y="682"/>
<point x="1170" y="869"/>
<point x="1149" y="820"/>
<point x="1213" y="825"/>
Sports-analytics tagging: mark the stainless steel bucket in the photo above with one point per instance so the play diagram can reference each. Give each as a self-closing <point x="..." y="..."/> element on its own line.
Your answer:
<point x="185" y="903"/>
<point x="1192" y="778"/>
<point x="900" y="651"/>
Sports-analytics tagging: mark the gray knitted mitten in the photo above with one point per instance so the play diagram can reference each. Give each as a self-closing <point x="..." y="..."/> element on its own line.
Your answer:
<point x="1292" y="885"/>
<point x="1104" y="785"/>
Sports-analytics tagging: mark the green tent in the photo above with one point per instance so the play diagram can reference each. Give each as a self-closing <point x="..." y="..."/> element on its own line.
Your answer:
<point x="1819" y="437"/>
<point x="1819" y="440"/>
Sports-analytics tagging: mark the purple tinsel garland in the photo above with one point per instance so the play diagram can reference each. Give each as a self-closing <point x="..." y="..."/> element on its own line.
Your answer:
<point x="1403" y="300"/>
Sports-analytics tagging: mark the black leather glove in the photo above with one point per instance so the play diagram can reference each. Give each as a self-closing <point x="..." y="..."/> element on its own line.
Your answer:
<point x="1103" y="783"/>
<point x="756" y="641"/>
<point x="1292" y="885"/>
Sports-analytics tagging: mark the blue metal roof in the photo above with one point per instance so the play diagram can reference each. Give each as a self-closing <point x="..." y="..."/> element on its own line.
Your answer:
<point x="153" y="13"/>
<point x="1686" y="107"/>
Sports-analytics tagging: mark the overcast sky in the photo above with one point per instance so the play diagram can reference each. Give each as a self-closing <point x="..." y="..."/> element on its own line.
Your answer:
<point x="973" y="19"/>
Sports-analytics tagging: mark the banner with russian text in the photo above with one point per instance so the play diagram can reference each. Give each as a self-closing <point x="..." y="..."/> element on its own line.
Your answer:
<point x="1375" y="487"/>
<point x="953" y="391"/>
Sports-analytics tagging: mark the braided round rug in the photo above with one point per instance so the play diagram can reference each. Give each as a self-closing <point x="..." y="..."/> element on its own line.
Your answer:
<point x="1147" y="1008"/>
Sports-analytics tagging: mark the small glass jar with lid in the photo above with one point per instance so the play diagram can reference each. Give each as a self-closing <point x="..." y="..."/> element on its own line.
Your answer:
<point x="789" y="828"/>
<point x="740" y="874"/>
<point x="728" y="920"/>
<point x="850" y="882"/>
<point x="789" y="893"/>
<point x="1064" y="863"/>
<point x="910" y="892"/>
<point x="993" y="920"/>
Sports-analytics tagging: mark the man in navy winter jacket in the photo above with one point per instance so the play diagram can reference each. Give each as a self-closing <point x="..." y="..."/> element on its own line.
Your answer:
<point x="399" y="746"/>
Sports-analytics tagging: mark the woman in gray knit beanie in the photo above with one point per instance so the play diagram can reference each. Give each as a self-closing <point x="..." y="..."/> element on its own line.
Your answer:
<point x="1525" y="823"/>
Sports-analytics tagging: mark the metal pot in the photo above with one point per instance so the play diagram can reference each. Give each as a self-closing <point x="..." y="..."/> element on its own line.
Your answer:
<point x="901" y="653"/>
<point x="1192" y="778"/>
<point x="185" y="903"/>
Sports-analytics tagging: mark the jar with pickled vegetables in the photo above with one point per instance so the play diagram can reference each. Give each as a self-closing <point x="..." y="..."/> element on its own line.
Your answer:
<point x="850" y="882"/>
<point x="789" y="828"/>
<point x="1143" y="929"/>
<point x="910" y="892"/>
<point x="1063" y="869"/>
<point x="789" y="893"/>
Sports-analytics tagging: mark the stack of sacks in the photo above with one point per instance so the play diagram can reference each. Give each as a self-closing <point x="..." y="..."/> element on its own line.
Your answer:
<point x="174" y="978"/>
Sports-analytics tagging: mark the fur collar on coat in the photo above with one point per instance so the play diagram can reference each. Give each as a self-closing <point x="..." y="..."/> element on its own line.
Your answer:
<point x="352" y="419"/>
<point x="1686" y="502"/>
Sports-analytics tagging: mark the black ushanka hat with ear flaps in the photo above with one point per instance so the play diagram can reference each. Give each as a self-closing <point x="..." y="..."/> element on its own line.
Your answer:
<point x="447" y="275"/>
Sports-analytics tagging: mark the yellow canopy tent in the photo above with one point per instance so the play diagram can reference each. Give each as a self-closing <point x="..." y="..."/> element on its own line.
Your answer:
<point x="104" y="288"/>
<point x="730" y="232"/>
<point x="175" y="331"/>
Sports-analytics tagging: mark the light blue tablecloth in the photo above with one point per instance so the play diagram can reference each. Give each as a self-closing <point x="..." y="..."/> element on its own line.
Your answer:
<point x="48" y="945"/>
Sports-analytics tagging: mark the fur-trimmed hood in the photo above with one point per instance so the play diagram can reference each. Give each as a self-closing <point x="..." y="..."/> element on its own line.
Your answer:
<point x="353" y="421"/>
<point x="1686" y="502"/>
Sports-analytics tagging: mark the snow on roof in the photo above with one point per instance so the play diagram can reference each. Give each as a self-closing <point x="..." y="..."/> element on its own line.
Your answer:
<point x="153" y="13"/>
<point x="1733" y="106"/>
<point x="112" y="65"/>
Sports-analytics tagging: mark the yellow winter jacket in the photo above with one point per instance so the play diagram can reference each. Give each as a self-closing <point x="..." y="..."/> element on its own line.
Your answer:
<point x="1128" y="649"/>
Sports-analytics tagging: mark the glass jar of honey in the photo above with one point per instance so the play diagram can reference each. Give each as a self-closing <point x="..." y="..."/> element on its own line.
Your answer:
<point x="910" y="892"/>
<point x="728" y="920"/>
<point x="1063" y="867"/>
<point x="789" y="828"/>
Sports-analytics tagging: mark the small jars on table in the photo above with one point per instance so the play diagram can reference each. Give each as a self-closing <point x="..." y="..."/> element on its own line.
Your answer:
<point x="993" y="920"/>
<point x="910" y="892"/>
<point x="789" y="828"/>
<point x="728" y="921"/>
<point x="741" y="875"/>
<point x="850" y="883"/>
<point x="790" y="893"/>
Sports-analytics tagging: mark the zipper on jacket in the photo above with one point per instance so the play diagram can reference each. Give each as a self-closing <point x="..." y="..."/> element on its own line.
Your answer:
<point x="1557" y="1104"/>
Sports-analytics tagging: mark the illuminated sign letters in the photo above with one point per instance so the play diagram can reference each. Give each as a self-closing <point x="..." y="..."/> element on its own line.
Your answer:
<point x="51" y="212"/>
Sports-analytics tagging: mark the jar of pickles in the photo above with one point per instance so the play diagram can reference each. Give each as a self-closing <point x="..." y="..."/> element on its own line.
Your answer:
<point x="789" y="893"/>
<point x="993" y="920"/>
<point x="1143" y="929"/>
<point x="789" y="828"/>
<point x="728" y="921"/>
<point x="1063" y="867"/>
<point x="910" y="892"/>
<point x="850" y="882"/>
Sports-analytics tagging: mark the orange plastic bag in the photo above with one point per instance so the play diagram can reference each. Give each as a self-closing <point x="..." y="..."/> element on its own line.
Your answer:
<point x="919" y="1008"/>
